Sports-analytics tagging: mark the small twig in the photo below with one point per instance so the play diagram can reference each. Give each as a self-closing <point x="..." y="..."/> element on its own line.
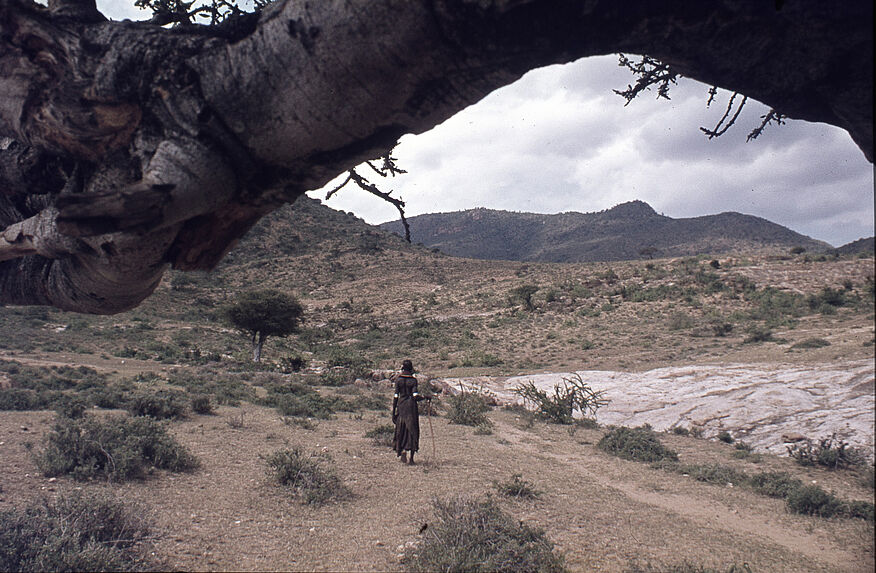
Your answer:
<point x="771" y="116"/>
<point x="649" y="72"/>
<point x="719" y="130"/>
<point x="713" y="91"/>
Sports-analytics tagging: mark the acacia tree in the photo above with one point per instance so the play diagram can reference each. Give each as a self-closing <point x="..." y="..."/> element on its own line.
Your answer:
<point x="127" y="148"/>
<point x="264" y="313"/>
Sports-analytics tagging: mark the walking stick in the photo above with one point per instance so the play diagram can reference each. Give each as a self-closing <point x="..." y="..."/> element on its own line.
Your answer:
<point x="431" y="431"/>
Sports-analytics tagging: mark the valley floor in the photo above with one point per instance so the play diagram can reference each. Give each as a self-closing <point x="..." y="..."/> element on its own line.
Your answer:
<point x="604" y="513"/>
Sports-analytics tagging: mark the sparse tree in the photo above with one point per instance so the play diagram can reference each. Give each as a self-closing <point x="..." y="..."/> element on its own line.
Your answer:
<point x="128" y="148"/>
<point x="264" y="313"/>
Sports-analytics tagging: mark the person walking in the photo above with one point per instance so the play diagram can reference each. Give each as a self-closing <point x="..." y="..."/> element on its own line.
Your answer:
<point x="406" y="415"/>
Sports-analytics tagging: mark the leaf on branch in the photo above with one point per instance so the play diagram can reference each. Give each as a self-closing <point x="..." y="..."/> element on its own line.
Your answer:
<point x="649" y="72"/>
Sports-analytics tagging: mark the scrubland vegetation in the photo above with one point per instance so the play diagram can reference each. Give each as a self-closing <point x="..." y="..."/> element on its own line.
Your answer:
<point x="164" y="400"/>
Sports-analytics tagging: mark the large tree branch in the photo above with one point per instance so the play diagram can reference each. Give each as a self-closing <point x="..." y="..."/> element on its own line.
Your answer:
<point x="135" y="147"/>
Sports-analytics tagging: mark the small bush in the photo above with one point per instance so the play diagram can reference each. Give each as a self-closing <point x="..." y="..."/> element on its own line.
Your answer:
<point x="812" y="500"/>
<point x="726" y="437"/>
<point x="811" y="343"/>
<point x="574" y="395"/>
<point x="335" y="377"/>
<point x="476" y="536"/>
<point x="116" y="448"/>
<point x="310" y="476"/>
<point x="829" y="452"/>
<point x="381" y="435"/>
<point x="70" y="406"/>
<point x="76" y="532"/>
<point x="680" y="431"/>
<point x="758" y="334"/>
<point x="711" y="473"/>
<point x="860" y="510"/>
<point x="518" y="487"/>
<point x="23" y="399"/>
<point x="774" y="484"/>
<point x="468" y="408"/>
<point x="158" y="404"/>
<point x="640" y="444"/>
<point x="292" y="363"/>
<point x="358" y="365"/>
<point x="201" y="404"/>
<point x="310" y="405"/>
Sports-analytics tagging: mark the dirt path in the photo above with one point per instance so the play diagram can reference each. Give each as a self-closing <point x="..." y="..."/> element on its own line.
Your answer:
<point x="697" y="506"/>
<point x="606" y="514"/>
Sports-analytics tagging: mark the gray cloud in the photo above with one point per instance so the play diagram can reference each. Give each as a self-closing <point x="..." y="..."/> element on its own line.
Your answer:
<point x="560" y="140"/>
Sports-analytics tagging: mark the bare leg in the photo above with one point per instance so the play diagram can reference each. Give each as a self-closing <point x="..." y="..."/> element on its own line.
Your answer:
<point x="411" y="462"/>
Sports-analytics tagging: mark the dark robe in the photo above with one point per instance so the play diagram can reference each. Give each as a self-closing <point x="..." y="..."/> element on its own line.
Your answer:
<point x="407" y="422"/>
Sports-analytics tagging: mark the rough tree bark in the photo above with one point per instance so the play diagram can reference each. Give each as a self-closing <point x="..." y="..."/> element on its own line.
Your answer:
<point x="126" y="148"/>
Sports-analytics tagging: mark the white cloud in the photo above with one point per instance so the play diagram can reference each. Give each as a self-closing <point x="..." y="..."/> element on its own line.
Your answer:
<point x="560" y="140"/>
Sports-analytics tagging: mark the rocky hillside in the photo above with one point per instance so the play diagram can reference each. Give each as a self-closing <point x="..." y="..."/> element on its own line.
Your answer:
<point x="626" y="232"/>
<point x="855" y="247"/>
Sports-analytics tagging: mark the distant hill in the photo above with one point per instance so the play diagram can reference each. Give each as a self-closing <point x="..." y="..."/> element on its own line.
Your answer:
<point x="308" y="226"/>
<point x="628" y="231"/>
<point x="855" y="247"/>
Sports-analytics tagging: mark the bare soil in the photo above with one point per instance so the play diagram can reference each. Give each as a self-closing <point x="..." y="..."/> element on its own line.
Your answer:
<point x="604" y="513"/>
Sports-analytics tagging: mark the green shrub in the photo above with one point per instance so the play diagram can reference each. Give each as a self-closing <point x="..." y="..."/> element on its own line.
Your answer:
<point x="110" y="397"/>
<point x="23" y="399"/>
<point x="523" y="295"/>
<point x="115" y="448"/>
<point x="358" y="365"/>
<point x="774" y="484"/>
<point x="201" y="404"/>
<point x="227" y="388"/>
<point x="479" y="358"/>
<point x="518" y="487"/>
<point x="335" y="377"/>
<point x="860" y="510"/>
<point x="75" y="532"/>
<point x="812" y="500"/>
<point x="680" y="431"/>
<point x="811" y="343"/>
<point x="574" y="395"/>
<point x="726" y="437"/>
<point x="468" y="408"/>
<point x="474" y="536"/>
<point x="827" y="297"/>
<point x="829" y="452"/>
<point x="158" y="404"/>
<point x="758" y="334"/>
<point x="381" y="435"/>
<point x="310" y="476"/>
<point x="310" y="405"/>
<point x="70" y="406"/>
<point x="640" y="444"/>
<point x="709" y="473"/>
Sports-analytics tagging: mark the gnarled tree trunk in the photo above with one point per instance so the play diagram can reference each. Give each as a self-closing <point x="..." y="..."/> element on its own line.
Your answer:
<point x="126" y="148"/>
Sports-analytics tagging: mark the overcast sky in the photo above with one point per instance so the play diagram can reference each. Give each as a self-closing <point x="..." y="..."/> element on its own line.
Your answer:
<point x="560" y="140"/>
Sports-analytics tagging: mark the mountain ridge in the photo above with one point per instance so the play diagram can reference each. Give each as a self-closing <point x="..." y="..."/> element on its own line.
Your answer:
<point x="628" y="231"/>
